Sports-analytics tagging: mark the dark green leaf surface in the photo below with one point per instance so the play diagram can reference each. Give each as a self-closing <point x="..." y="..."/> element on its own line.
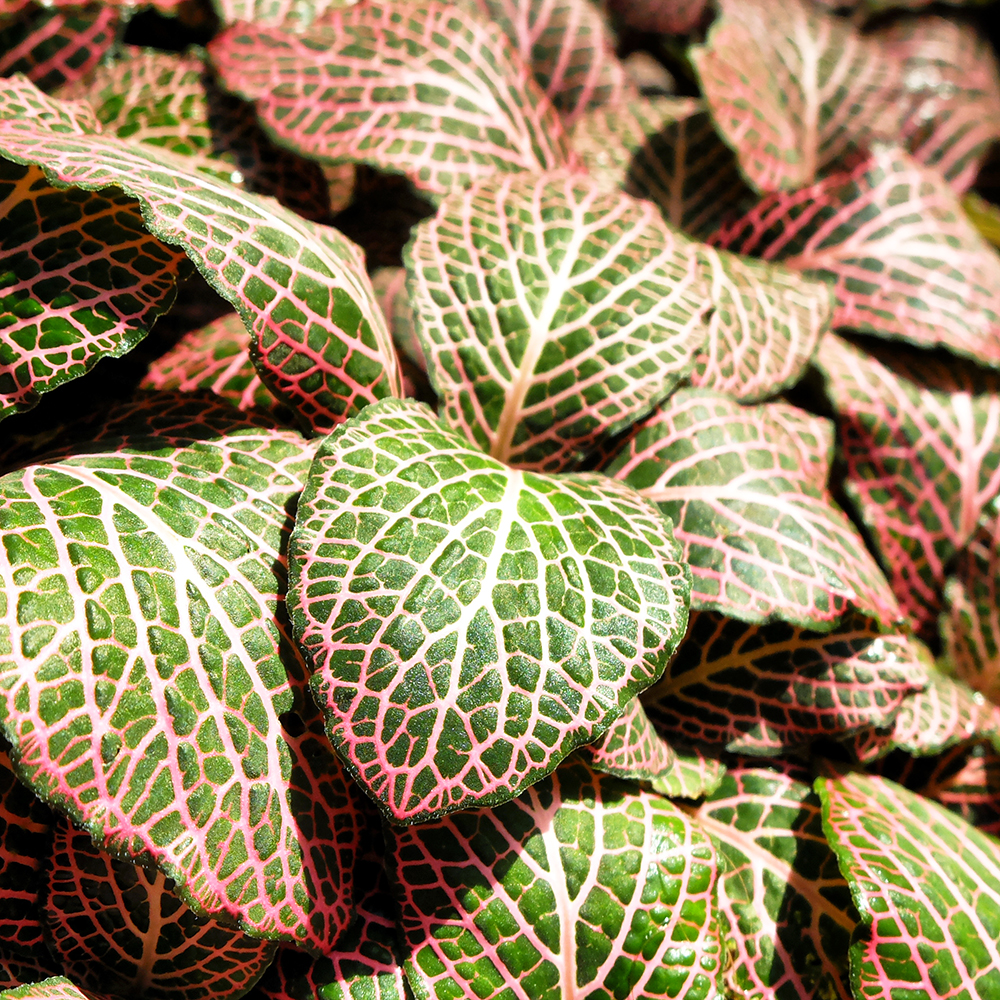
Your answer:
<point x="469" y="624"/>
<point x="582" y="887"/>
<point x="632" y="748"/>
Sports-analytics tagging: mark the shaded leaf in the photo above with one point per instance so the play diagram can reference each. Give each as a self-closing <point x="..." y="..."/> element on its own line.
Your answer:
<point x="583" y="886"/>
<point x="787" y="915"/>
<point x="763" y="541"/>
<point x="469" y="625"/>
<point x="320" y="339"/>
<point x="632" y="748"/>
<point x="893" y="241"/>
<point x="552" y="314"/>
<point x="984" y="216"/>
<point x="428" y="90"/>
<point x="390" y="289"/>
<point x="763" y="689"/>
<point x="922" y="445"/>
<point x="925" y="882"/>
<point x="119" y="928"/>
<point x="693" y="775"/>
<point x="141" y="616"/>
<point x="662" y="17"/>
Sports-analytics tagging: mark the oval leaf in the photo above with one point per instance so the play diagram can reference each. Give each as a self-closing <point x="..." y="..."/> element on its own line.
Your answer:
<point x="471" y="624"/>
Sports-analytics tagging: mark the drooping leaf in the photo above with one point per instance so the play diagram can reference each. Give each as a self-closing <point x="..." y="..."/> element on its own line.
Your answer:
<point x="320" y="340"/>
<point x="661" y="17"/>
<point x="552" y="314"/>
<point x="926" y="883"/>
<point x="583" y="887"/>
<point x="763" y="541"/>
<point x="762" y="689"/>
<point x="119" y="928"/>
<point x="892" y="239"/>
<point x="665" y="149"/>
<point x="24" y="849"/>
<point x="425" y="89"/>
<point x="922" y="445"/>
<point x="147" y="681"/>
<point x="217" y="358"/>
<point x="632" y="748"/>
<point x="53" y="46"/>
<point x="792" y="88"/>
<point x="469" y="624"/>
<point x="786" y="910"/>
<point x="694" y="774"/>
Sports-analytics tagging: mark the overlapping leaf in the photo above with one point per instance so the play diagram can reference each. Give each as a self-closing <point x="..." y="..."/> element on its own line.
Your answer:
<point x="787" y="915"/>
<point x="667" y="17"/>
<point x="19" y="970"/>
<point x="552" y="314"/>
<point x="584" y="886"/>
<point x="926" y="883"/>
<point x="144" y="669"/>
<point x="922" y="447"/>
<point x="120" y="929"/>
<point x="429" y="90"/>
<point x="694" y="774"/>
<point x="293" y="15"/>
<point x="984" y="215"/>
<point x="55" y="988"/>
<point x="762" y="689"/>
<point x="792" y="88"/>
<point x="471" y="624"/>
<point x="320" y="339"/>
<point x="892" y="239"/>
<point x="632" y="748"/>
<point x="763" y="540"/>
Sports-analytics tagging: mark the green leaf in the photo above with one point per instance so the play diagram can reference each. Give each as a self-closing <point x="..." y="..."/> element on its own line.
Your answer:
<point x="693" y="775"/>
<point x="56" y="988"/>
<point x="584" y="886"/>
<point x="925" y="882"/>
<point x="18" y="970"/>
<point x="632" y="748"/>
<point x="469" y="625"/>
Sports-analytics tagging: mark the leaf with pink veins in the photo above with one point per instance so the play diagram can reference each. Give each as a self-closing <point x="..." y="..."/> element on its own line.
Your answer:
<point x="661" y="17"/>
<point x="631" y="748"/>
<point x="55" y="988"/>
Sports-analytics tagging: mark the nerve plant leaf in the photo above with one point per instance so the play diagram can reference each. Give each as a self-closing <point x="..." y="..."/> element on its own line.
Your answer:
<point x="694" y="775"/>
<point x="632" y="748"/>
<point x="552" y="313"/>
<point x="469" y="624"/>
<point x="922" y="445"/>
<point x="661" y="17"/>
<point x="20" y="970"/>
<point x="320" y="338"/>
<point x="763" y="540"/>
<point x="56" y="988"/>
<point x="582" y="887"/>
<point x="120" y="929"/>
<point x="147" y="682"/>
<point x="763" y="689"/>
<point x="926" y="883"/>
<point x="292" y="15"/>
<point x="426" y="89"/>
<point x="891" y="238"/>
<point x="787" y="915"/>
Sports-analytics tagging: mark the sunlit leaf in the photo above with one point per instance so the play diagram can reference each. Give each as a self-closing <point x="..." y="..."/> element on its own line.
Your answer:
<point x="694" y="774"/>
<point x="56" y="988"/>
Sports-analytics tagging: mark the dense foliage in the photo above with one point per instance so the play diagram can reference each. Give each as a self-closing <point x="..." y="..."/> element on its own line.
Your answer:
<point x="548" y="547"/>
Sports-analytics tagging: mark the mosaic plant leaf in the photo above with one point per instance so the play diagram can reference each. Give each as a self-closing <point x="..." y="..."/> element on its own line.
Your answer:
<point x="891" y="238"/>
<point x="984" y="215"/>
<point x="791" y="87"/>
<point x="921" y="441"/>
<point x="570" y="49"/>
<point x="552" y="314"/>
<point x="320" y="340"/>
<point x="763" y="541"/>
<point x="428" y="90"/>
<point x="787" y="915"/>
<point x="119" y="928"/>
<point x="469" y="624"/>
<point x="661" y="17"/>
<point x="55" y="988"/>
<point x="584" y="886"/>
<point x="87" y="283"/>
<point x="926" y="883"/>
<point x="215" y="357"/>
<point x="24" y="849"/>
<point x="951" y="93"/>
<point x="763" y="689"/>
<point x="20" y="98"/>
<point x="694" y="774"/>
<point x="632" y="748"/>
<point x="812" y="436"/>
<point x="148" y="683"/>
<point x="390" y="289"/>
<point x="20" y="970"/>
<point x="665" y="149"/>
<point x="53" y="46"/>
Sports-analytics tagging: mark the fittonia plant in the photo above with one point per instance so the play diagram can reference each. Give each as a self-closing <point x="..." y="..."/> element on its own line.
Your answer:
<point x="595" y="598"/>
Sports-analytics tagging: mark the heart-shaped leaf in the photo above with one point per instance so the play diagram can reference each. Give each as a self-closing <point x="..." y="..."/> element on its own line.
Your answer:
<point x="425" y="89"/>
<point x="321" y="340"/>
<point x="762" y="689"/>
<point x="471" y="624"/>
<point x="144" y="671"/>
<point x="922" y="447"/>
<point x="892" y="239"/>
<point x="584" y="886"/>
<point x="119" y="928"/>
<point x="632" y="748"/>
<point x="552" y="313"/>
<point x="787" y="915"/>
<point x="925" y="882"/>
<point x="763" y="541"/>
